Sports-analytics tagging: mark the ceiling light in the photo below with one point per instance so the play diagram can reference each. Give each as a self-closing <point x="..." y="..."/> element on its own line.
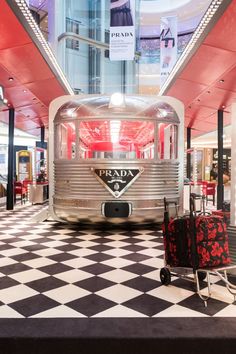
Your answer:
<point x="221" y="81"/>
<point x="223" y="106"/>
<point x="24" y="90"/>
<point x="10" y="79"/>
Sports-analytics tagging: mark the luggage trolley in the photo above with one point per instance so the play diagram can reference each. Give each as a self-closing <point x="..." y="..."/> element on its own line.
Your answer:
<point x="186" y="262"/>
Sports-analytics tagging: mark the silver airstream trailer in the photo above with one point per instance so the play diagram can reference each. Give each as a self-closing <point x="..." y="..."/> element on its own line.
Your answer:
<point x="114" y="158"/>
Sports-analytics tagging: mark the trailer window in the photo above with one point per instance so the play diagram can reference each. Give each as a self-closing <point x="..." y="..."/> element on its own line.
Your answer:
<point x="65" y="141"/>
<point x="116" y="139"/>
<point x="167" y="141"/>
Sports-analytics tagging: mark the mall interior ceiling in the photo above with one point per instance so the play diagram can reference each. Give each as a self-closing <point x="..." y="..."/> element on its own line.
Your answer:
<point x="204" y="82"/>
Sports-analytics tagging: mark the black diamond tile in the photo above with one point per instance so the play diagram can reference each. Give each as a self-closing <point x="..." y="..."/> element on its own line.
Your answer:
<point x="130" y="233"/>
<point x="132" y="240"/>
<point x="139" y="268"/>
<point x="55" y="268"/>
<point x="99" y="257"/>
<point x="7" y="282"/>
<point x="101" y="248"/>
<point x="71" y="239"/>
<point x="33" y="248"/>
<point x="62" y="257"/>
<point x="231" y="279"/>
<point x="97" y="268"/>
<point x="67" y="248"/>
<point x="20" y="234"/>
<point x="94" y="284"/>
<point x="183" y="284"/>
<point x="142" y="284"/>
<point x="24" y="257"/>
<point x="147" y="304"/>
<point x="156" y="233"/>
<point x="46" y="284"/>
<point x="49" y="233"/>
<point x="160" y="247"/>
<point x="73" y="234"/>
<point x="14" y="268"/>
<point x="40" y="240"/>
<point x="135" y="257"/>
<point x="103" y="233"/>
<point x="6" y="247"/>
<point x="33" y="305"/>
<point x="133" y="248"/>
<point x="101" y="240"/>
<point x="91" y="305"/>
<point x="10" y="240"/>
<point x="195" y="303"/>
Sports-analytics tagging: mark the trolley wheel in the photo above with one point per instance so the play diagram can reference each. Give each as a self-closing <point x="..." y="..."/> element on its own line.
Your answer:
<point x="201" y="276"/>
<point x="165" y="276"/>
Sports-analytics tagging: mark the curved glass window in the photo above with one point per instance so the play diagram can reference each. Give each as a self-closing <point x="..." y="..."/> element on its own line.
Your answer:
<point x="167" y="141"/>
<point x="116" y="139"/>
<point x="65" y="140"/>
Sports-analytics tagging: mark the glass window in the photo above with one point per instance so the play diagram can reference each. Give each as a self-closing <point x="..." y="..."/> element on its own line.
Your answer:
<point x="72" y="26"/>
<point x="65" y="142"/>
<point x="116" y="139"/>
<point x="167" y="141"/>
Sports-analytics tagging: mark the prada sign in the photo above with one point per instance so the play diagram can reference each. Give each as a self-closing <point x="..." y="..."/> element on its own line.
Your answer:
<point x="117" y="180"/>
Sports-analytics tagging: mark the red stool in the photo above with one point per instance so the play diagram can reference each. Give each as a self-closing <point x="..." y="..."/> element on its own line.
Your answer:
<point x="209" y="188"/>
<point x="19" y="189"/>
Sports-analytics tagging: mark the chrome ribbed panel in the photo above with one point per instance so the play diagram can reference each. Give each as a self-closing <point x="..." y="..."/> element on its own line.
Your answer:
<point x="77" y="181"/>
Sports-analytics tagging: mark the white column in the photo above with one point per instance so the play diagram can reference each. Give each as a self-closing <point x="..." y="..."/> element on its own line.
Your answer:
<point x="233" y="166"/>
<point x="56" y="26"/>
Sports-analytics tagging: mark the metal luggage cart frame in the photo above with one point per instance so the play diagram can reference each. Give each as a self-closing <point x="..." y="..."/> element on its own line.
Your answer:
<point x="199" y="274"/>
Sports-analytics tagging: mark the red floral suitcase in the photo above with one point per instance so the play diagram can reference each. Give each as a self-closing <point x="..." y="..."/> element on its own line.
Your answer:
<point x="176" y="242"/>
<point x="212" y="246"/>
<point x="224" y="214"/>
<point x="198" y="244"/>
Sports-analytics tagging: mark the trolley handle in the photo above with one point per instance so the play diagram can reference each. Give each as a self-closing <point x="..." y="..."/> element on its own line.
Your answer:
<point x="167" y="203"/>
<point x="193" y="197"/>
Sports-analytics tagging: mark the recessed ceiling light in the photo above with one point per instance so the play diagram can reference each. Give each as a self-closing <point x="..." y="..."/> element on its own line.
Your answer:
<point x="24" y="90"/>
<point x="10" y="79"/>
<point x="222" y="81"/>
<point x="223" y="106"/>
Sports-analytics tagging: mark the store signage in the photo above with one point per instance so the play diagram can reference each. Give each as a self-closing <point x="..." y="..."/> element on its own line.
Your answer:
<point x="168" y="46"/>
<point x="117" y="180"/>
<point x="122" y="29"/>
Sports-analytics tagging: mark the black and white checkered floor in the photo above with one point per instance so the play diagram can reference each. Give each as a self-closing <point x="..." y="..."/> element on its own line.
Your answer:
<point x="51" y="270"/>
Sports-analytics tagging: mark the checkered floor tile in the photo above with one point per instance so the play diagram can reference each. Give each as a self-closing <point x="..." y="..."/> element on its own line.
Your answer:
<point x="50" y="270"/>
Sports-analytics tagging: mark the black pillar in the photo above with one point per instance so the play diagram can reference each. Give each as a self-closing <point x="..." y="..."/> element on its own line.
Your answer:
<point x="220" y="186"/>
<point x="188" y="153"/>
<point x="10" y="175"/>
<point x="42" y="141"/>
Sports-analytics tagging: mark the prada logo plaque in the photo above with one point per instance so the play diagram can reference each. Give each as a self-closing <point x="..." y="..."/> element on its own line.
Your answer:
<point x="117" y="180"/>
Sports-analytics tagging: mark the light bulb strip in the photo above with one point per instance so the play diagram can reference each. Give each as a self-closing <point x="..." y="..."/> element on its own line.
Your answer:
<point x="24" y="10"/>
<point x="192" y="44"/>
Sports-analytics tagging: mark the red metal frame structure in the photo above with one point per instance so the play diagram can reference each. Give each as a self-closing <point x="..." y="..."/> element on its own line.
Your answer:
<point x="205" y="82"/>
<point x="30" y="80"/>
